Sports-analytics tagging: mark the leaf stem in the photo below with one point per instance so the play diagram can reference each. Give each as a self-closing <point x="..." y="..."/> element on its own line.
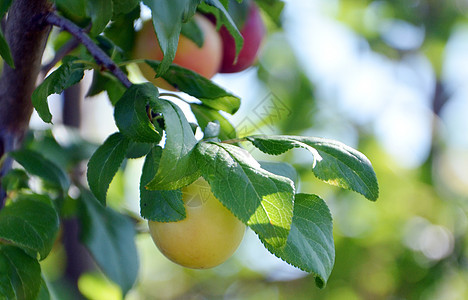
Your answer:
<point x="174" y="96"/>
<point x="99" y="55"/>
<point x="234" y="141"/>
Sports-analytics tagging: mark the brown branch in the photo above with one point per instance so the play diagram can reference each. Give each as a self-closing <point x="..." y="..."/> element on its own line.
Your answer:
<point x="61" y="53"/>
<point x="26" y="34"/>
<point x="99" y="55"/>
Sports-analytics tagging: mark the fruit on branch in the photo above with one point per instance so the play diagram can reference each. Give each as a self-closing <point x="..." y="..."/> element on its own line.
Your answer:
<point x="253" y="30"/>
<point x="207" y="237"/>
<point x="205" y="61"/>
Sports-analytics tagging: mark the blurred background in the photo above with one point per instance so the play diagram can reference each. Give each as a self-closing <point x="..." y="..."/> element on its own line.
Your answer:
<point x="389" y="78"/>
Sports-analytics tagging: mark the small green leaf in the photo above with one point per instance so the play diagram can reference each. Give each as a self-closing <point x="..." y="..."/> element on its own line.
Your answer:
<point x="334" y="162"/>
<point x="177" y="166"/>
<point x="273" y="8"/>
<point x="110" y="237"/>
<point x="262" y="200"/>
<point x="4" y="6"/>
<point x="124" y="6"/>
<point x="31" y="224"/>
<point x="20" y="274"/>
<point x="5" y="51"/>
<point x="105" y="82"/>
<point x="131" y="115"/>
<point x="101" y="13"/>
<point x="74" y="7"/>
<point x="14" y="180"/>
<point x="223" y="18"/>
<point x="137" y="150"/>
<point x="192" y="31"/>
<point x="205" y="114"/>
<point x="199" y="87"/>
<point x="161" y="206"/>
<point x="310" y="244"/>
<point x="68" y="74"/>
<point x="105" y="163"/>
<point x="168" y="16"/>
<point x="38" y="165"/>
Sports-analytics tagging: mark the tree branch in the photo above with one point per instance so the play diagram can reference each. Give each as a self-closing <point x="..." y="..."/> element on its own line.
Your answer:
<point x="99" y="55"/>
<point x="26" y="34"/>
<point x="67" y="48"/>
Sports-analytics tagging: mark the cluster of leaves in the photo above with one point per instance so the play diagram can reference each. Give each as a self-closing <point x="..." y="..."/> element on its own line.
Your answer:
<point x="293" y="226"/>
<point x="30" y="222"/>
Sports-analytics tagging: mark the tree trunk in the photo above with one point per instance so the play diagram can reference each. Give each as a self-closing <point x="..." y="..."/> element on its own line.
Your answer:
<point x="26" y="34"/>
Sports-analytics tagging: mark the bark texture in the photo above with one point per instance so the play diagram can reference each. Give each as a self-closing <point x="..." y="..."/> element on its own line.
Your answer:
<point x="26" y="33"/>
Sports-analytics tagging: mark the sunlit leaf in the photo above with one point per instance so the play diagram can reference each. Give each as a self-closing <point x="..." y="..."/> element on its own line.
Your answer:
<point x="262" y="200"/>
<point x="334" y="162"/>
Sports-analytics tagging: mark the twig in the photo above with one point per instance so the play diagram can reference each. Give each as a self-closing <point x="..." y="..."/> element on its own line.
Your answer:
<point x="99" y="55"/>
<point x="62" y="52"/>
<point x="67" y="48"/>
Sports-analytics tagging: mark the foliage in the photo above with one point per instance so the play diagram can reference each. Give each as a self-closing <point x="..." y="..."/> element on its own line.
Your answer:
<point x="296" y="227"/>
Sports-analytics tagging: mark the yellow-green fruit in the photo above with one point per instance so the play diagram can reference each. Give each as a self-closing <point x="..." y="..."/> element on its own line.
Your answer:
<point x="207" y="237"/>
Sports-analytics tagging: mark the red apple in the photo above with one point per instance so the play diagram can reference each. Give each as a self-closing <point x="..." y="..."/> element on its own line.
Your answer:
<point x="253" y="32"/>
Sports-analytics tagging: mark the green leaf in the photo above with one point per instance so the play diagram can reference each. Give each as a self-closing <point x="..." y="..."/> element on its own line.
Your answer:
<point x="262" y="200"/>
<point x="121" y="30"/>
<point x="109" y="236"/>
<point x="124" y="6"/>
<point x="101" y="13"/>
<point x="334" y="162"/>
<point x="4" y="6"/>
<point x="192" y="31"/>
<point x="177" y="166"/>
<point x="273" y="8"/>
<point x="74" y="7"/>
<point x="168" y="16"/>
<point x="14" y="180"/>
<point x="5" y="51"/>
<point x="69" y="150"/>
<point x="44" y="293"/>
<point x="131" y="115"/>
<point x="199" y="87"/>
<point x="205" y="114"/>
<point x="137" y="150"/>
<point x="31" y="224"/>
<point x="105" y="82"/>
<point x="20" y="274"/>
<point x="105" y="163"/>
<point x="310" y="244"/>
<point x="38" y="165"/>
<point x="161" y="206"/>
<point x="223" y="18"/>
<point x="68" y="74"/>
<point x="281" y="169"/>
